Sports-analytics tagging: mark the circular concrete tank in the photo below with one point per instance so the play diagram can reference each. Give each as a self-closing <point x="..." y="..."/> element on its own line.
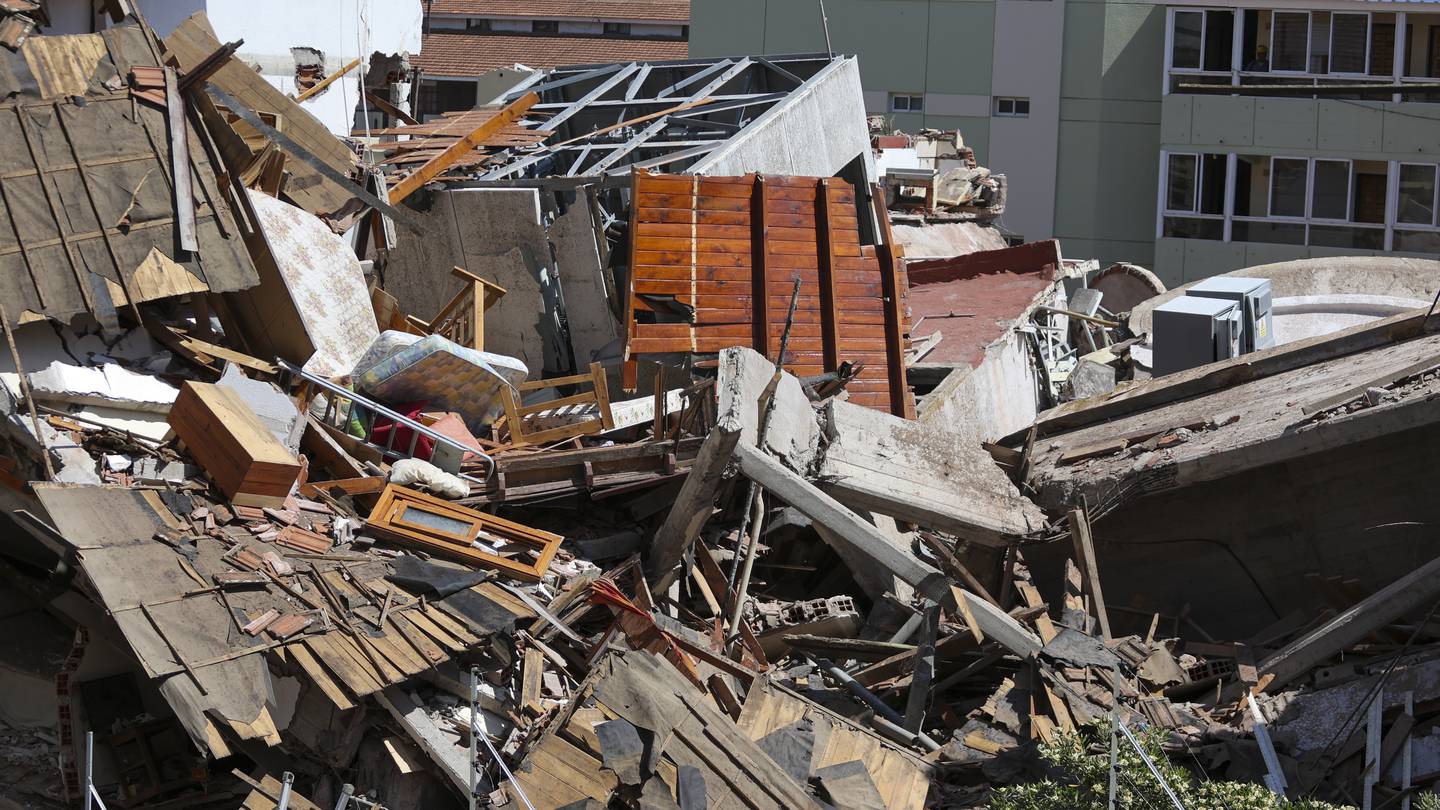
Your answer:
<point x="1313" y="297"/>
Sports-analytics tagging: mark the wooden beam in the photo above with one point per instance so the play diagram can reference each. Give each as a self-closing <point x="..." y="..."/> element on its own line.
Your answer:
<point x="434" y="166"/>
<point x="845" y="527"/>
<point x="1417" y="589"/>
<point x="825" y="253"/>
<point x="694" y="503"/>
<point x="328" y="80"/>
<point x="759" y="275"/>
<point x="1085" y="557"/>
<point x="390" y="109"/>
<point x="999" y="626"/>
<point x="891" y="267"/>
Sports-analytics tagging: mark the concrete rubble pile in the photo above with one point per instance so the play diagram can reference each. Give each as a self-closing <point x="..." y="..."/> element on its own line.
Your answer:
<point x="457" y="469"/>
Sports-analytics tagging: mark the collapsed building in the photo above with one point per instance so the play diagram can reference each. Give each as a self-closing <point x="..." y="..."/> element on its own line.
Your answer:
<point x="609" y="445"/>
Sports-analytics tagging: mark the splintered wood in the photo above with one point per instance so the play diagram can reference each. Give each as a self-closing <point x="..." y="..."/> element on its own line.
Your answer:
<point x="714" y="259"/>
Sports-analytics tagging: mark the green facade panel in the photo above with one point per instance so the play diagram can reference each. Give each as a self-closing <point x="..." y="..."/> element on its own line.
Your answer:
<point x="1226" y="121"/>
<point x="1285" y="123"/>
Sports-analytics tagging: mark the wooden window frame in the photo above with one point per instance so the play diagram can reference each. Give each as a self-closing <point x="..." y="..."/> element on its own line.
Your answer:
<point x="385" y="521"/>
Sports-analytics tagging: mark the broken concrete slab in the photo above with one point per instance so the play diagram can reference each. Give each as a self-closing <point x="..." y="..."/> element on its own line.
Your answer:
<point x="921" y="474"/>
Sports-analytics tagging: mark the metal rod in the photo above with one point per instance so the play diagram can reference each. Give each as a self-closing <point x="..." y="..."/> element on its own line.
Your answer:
<point x="29" y="402"/>
<point x="892" y="721"/>
<point x="760" y="434"/>
<point x="375" y="408"/>
<point x="474" y="744"/>
<point x="285" y="785"/>
<point x="1114" y="734"/>
<point x="1144" y="757"/>
<point x="89" y="769"/>
<point x="825" y="24"/>
<point x="346" y="791"/>
<point x="477" y="730"/>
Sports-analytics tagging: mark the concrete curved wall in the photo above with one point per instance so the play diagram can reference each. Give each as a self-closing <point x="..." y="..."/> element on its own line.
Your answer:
<point x="1329" y="294"/>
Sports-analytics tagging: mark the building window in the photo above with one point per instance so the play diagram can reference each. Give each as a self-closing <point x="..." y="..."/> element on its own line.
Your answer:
<point x="1349" y="35"/>
<point x="1417" y="195"/>
<point x="545" y="26"/>
<point x="1182" y="182"/>
<point x="1330" y="193"/>
<point x="1012" y="107"/>
<point x="1287" y="187"/>
<point x="907" y="102"/>
<point x="480" y="26"/>
<point x="617" y="29"/>
<point x="1202" y="40"/>
<point x="1290" y="41"/>
<point x="1319" y="202"/>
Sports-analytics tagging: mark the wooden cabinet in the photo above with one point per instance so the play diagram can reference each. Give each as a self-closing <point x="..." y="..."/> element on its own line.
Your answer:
<point x="227" y="439"/>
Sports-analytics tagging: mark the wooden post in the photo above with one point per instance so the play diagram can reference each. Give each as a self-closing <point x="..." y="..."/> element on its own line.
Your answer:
<point x="891" y="268"/>
<point x="1085" y="558"/>
<point x="759" y="272"/>
<point x="825" y="261"/>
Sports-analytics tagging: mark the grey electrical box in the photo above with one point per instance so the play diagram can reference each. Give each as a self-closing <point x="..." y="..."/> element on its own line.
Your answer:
<point x="1253" y="295"/>
<point x="1191" y="331"/>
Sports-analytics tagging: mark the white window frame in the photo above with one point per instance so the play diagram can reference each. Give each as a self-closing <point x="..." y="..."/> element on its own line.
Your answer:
<point x="1434" y="202"/>
<point x="909" y="98"/>
<point x="1365" y="58"/>
<point x="1349" y="192"/>
<point x="1237" y="20"/>
<point x="1170" y="46"/>
<point x="995" y="107"/>
<point x="1309" y="33"/>
<point x="1194" y="208"/>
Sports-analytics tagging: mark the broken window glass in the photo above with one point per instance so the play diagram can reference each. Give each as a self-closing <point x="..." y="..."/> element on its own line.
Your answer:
<point x="1289" y="40"/>
<point x="1417" y="195"/>
<point x="1287" y="187"/>
<point x="1331" y="193"/>
<point x="1185" y="47"/>
<point x="1181" y="183"/>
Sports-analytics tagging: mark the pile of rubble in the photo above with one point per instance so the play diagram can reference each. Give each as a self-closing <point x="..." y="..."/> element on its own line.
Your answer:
<point x="277" y="539"/>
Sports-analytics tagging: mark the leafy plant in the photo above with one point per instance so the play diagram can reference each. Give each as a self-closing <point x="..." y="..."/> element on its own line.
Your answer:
<point x="1079" y="779"/>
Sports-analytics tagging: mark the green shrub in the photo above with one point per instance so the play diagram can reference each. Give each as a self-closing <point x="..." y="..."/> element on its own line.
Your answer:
<point x="1080" y="780"/>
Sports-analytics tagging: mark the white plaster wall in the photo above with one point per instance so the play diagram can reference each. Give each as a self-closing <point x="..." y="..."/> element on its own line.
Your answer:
<point x="1029" y="39"/>
<point x="341" y="29"/>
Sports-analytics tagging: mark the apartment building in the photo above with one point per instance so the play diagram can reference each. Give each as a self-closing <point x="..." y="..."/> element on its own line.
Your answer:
<point x="467" y="41"/>
<point x="1290" y="131"/>
<point x="1149" y="132"/>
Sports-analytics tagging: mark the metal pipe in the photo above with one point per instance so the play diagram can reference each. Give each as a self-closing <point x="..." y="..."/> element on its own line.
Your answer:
<point x="286" y="784"/>
<point x="907" y="629"/>
<point x="376" y="408"/>
<point x="1155" y="772"/>
<point x="882" y="711"/>
<point x="474" y="744"/>
<point x="346" y="791"/>
<point x="89" y="769"/>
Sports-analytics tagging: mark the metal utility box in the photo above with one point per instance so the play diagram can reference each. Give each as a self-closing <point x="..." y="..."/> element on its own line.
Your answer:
<point x="1192" y="331"/>
<point x="1253" y="294"/>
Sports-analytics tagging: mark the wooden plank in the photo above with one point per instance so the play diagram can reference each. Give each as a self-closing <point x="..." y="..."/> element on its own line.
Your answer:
<point x="184" y="184"/>
<point x="531" y="669"/>
<point x="432" y="168"/>
<point x="694" y="503"/>
<point x="318" y="676"/>
<point x="891" y="270"/>
<point x="825" y="251"/>
<point x="1085" y="557"/>
<point x="1411" y="592"/>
